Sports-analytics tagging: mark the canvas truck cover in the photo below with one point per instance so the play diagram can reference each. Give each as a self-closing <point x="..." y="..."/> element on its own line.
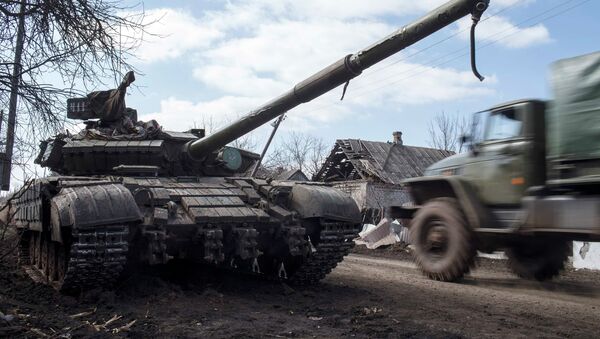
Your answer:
<point x="574" y="116"/>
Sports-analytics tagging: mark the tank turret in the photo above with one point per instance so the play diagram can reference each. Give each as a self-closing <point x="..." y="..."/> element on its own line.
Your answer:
<point x="114" y="142"/>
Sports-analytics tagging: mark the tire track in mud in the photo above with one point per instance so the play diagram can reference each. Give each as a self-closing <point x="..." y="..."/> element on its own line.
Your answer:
<point x="365" y="296"/>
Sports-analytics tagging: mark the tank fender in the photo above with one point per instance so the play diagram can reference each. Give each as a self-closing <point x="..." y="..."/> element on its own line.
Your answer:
<point x="423" y="189"/>
<point x="315" y="201"/>
<point x="92" y="205"/>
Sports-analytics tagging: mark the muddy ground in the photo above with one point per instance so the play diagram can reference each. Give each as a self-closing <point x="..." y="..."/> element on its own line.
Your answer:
<point x="376" y="295"/>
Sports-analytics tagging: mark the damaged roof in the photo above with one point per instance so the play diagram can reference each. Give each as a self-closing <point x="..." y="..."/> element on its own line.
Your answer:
<point x="388" y="162"/>
<point x="293" y="174"/>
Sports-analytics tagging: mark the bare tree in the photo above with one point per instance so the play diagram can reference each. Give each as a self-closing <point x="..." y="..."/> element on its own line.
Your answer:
<point x="297" y="147"/>
<point x="446" y="130"/>
<point x="49" y="48"/>
<point x="317" y="156"/>
<point x="297" y="151"/>
<point x="275" y="162"/>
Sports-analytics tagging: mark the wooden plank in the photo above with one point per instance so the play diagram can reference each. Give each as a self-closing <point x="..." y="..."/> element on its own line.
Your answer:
<point x="258" y="182"/>
<point x="214" y="192"/>
<point x="260" y="214"/>
<point x="204" y="214"/>
<point x="178" y="192"/>
<point x="241" y="183"/>
<point x="253" y="197"/>
<point x="160" y="195"/>
<point x="189" y="202"/>
<point x="225" y="214"/>
<point x="194" y="185"/>
<point x="256" y="215"/>
<point x="227" y="201"/>
<point x="280" y="212"/>
<point x="228" y="214"/>
<point x="239" y="215"/>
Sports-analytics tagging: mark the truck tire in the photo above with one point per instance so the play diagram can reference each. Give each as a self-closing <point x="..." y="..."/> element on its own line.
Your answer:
<point x="444" y="249"/>
<point x="540" y="260"/>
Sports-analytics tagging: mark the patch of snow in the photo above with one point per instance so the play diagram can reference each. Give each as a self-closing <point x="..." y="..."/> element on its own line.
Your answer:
<point x="586" y="255"/>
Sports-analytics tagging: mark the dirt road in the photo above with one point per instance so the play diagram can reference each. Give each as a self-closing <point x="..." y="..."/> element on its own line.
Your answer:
<point x="365" y="296"/>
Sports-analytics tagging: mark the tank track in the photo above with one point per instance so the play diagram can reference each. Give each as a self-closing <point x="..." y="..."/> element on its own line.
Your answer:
<point x="95" y="258"/>
<point x="336" y="241"/>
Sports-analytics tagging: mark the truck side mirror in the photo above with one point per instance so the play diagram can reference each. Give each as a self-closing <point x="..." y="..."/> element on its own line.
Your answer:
<point x="467" y="139"/>
<point x="464" y="139"/>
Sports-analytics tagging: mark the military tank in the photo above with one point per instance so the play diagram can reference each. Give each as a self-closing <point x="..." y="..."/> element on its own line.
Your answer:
<point x="124" y="193"/>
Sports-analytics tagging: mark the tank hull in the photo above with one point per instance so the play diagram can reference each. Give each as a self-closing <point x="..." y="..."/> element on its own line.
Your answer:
<point x="85" y="232"/>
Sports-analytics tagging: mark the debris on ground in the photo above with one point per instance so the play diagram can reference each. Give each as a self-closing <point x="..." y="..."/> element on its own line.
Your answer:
<point x="386" y="232"/>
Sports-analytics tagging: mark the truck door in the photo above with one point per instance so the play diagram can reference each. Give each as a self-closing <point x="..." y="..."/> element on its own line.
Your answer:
<point x="508" y="154"/>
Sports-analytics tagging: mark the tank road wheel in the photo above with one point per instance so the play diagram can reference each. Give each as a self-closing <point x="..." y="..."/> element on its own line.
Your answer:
<point x="31" y="252"/>
<point x="23" y="249"/>
<point x="444" y="249"/>
<point x="35" y="255"/>
<point x="539" y="260"/>
<point x="44" y="257"/>
<point x="52" y="260"/>
<point x="87" y="259"/>
<point x="61" y="263"/>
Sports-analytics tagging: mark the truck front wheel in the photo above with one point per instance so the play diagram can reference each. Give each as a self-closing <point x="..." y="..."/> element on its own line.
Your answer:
<point x="539" y="260"/>
<point x="443" y="243"/>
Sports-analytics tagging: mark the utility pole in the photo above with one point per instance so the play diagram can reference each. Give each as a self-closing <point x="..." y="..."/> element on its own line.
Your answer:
<point x="262" y="155"/>
<point x="14" y="95"/>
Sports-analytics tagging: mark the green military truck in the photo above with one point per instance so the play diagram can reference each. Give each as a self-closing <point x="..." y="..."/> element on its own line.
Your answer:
<point x="530" y="183"/>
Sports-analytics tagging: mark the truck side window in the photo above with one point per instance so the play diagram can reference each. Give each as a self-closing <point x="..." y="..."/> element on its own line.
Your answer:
<point x="503" y="125"/>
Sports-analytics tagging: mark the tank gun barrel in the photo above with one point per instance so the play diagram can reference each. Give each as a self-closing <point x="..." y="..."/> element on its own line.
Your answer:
<point x="341" y="72"/>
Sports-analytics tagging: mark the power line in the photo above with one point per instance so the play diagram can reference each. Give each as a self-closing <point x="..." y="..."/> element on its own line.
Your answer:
<point x="515" y="30"/>
<point x="425" y="67"/>
<point x="461" y="49"/>
<point x="434" y="44"/>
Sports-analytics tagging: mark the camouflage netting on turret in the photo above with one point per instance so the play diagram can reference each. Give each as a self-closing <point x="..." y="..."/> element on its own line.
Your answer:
<point x="123" y="129"/>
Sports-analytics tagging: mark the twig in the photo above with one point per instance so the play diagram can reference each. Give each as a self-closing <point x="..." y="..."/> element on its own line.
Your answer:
<point x="39" y="332"/>
<point x="83" y="314"/>
<point x="124" y="328"/>
<point x="112" y="320"/>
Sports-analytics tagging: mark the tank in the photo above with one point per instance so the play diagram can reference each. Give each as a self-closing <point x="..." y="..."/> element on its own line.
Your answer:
<point x="125" y="193"/>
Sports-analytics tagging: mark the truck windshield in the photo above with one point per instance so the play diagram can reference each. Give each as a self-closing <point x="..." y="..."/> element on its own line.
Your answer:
<point x="502" y="125"/>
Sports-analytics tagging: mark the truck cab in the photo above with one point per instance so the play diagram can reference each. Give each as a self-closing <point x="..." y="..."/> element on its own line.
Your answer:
<point x="506" y="153"/>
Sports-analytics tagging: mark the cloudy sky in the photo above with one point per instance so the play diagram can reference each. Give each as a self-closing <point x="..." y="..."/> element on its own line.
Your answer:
<point x="215" y="60"/>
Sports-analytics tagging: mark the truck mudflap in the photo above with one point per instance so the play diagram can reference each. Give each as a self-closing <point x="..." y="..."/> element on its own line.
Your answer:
<point x="423" y="189"/>
<point x="90" y="205"/>
<point x="314" y="201"/>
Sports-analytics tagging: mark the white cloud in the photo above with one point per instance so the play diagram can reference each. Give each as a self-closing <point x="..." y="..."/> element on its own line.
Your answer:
<point x="418" y="84"/>
<point x="179" y="115"/>
<point x="280" y="54"/>
<point x="505" y="33"/>
<point x="172" y="33"/>
<point x="508" y="3"/>
<point x="259" y="49"/>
